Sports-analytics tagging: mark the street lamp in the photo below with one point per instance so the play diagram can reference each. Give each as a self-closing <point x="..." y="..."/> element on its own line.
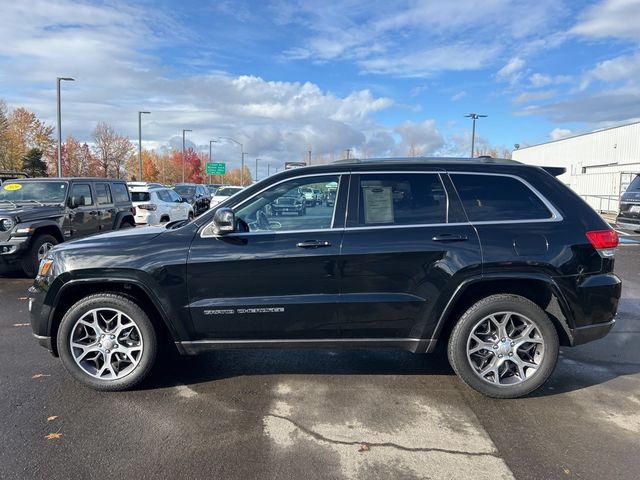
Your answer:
<point x="268" y="169"/>
<point x="58" y="80"/>
<point x="257" y="159"/>
<point x="210" y="157"/>
<point x="474" y="117"/>
<point x="140" y="144"/>
<point x="242" y="152"/>
<point x="184" y="130"/>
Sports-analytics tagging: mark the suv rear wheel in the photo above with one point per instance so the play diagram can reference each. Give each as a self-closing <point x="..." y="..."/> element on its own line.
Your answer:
<point x="40" y="246"/>
<point x="504" y="346"/>
<point x="107" y="342"/>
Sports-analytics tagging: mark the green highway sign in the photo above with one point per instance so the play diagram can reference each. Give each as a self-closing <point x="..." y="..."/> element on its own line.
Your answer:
<point x="216" y="168"/>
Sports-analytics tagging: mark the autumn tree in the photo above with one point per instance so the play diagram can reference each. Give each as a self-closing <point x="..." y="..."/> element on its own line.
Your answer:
<point x="33" y="164"/>
<point x="150" y="166"/>
<point x="20" y="132"/>
<point x="111" y="149"/>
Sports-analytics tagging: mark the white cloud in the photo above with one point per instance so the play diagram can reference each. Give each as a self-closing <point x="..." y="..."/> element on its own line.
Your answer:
<point x="560" y="133"/>
<point x="424" y="138"/>
<point x="458" y="96"/>
<point x="610" y="18"/>
<point x="622" y="68"/>
<point x="512" y="71"/>
<point x="527" y="97"/>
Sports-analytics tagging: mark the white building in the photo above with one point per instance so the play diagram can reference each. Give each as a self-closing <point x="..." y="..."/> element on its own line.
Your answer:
<point x="600" y="165"/>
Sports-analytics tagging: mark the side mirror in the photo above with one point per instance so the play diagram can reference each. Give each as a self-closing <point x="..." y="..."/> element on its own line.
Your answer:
<point x="224" y="221"/>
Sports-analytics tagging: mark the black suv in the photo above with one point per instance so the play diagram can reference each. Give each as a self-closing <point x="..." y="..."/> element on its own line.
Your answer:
<point x="197" y="195"/>
<point x="497" y="261"/>
<point x="38" y="213"/>
<point x="629" y="216"/>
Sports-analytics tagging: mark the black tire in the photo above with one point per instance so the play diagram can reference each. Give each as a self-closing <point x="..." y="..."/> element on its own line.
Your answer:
<point x="135" y="313"/>
<point x="164" y="219"/>
<point x="126" y="224"/>
<point x="457" y="347"/>
<point x="30" y="262"/>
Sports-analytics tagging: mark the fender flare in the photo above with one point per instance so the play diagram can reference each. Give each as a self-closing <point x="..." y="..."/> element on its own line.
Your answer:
<point x="462" y="288"/>
<point x="120" y="217"/>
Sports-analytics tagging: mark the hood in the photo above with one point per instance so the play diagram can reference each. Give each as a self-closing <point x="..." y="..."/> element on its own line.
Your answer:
<point x="30" y="211"/>
<point x="135" y="235"/>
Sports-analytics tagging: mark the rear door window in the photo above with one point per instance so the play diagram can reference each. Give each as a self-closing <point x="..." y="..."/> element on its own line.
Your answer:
<point x="401" y="199"/>
<point x="491" y="198"/>
<point x="103" y="194"/>
<point x="81" y="195"/>
<point x="120" y="192"/>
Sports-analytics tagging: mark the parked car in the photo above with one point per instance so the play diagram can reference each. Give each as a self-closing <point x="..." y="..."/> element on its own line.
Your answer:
<point x="497" y="261"/>
<point x="319" y="196"/>
<point x="154" y="205"/>
<point x="195" y="195"/>
<point x="629" y="216"/>
<point x="292" y="201"/>
<point x="37" y="214"/>
<point x="330" y="198"/>
<point x="223" y="193"/>
<point x="309" y="196"/>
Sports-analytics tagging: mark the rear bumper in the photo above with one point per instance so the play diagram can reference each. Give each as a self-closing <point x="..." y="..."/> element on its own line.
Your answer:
<point x="590" y="333"/>
<point x="628" y="224"/>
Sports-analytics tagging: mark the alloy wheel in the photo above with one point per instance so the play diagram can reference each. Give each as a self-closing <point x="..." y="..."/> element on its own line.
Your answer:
<point x="505" y="348"/>
<point x="106" y="344"/>
<point x="44" y="249"/>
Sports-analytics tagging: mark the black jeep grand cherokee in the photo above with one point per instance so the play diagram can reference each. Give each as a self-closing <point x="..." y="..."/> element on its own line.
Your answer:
<point x="498" y="261"/>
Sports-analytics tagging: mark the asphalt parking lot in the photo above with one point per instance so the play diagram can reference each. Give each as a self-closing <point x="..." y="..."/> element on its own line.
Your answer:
<point x="322" y="413"/>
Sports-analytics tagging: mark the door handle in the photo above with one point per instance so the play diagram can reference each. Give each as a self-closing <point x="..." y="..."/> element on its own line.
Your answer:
<point x="450" y="237"/>
<point x="313" y="244"/>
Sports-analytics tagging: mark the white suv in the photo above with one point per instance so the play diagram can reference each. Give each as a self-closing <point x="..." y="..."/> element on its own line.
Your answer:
<point x="157" y="204"/>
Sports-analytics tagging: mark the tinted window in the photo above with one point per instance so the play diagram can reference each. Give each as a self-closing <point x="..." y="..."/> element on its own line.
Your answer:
<point x="489" y="198"/>
<point x="185" y="190"/>
<point x="634" y="186"/>
<point x="44" y="192"/>
<point x="103" y="193"/>
<point x="164" y="195"/>
<point x="227" y="191"/>
<point x="120" y="192"/>
<point x="401" y="199"/>
<point x="275" y="209"/>
<point x="140" y="196"/>
<point x="81" y="195"/>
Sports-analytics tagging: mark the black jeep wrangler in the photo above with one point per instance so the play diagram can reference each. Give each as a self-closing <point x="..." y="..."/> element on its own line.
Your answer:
<point x="498" y="262"/>
<point x="38" y="213"/>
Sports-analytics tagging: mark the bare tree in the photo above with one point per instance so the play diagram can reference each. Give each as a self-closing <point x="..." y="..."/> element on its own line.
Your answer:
<point x="111" y="149"/>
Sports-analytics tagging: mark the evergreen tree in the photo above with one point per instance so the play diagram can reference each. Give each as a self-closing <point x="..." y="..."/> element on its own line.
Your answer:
<point x="33" y="165"/>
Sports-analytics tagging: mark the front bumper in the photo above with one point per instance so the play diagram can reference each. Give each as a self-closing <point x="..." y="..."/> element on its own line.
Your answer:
<point x="11" y="250"/>
<point x="40" y="314"/>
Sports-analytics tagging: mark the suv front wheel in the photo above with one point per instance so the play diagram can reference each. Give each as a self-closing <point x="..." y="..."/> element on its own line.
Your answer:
<point x="39" y="247"/>
<point x="504" y="346"/>
<point x="107" y="342"/>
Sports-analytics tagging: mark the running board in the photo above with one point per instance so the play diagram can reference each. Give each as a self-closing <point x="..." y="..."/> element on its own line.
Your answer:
<point x="415" y="345"/>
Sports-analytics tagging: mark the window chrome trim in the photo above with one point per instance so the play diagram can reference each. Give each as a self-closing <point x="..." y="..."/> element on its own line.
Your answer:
<point x="556" y="216"/>
<point x="340" y="176"/>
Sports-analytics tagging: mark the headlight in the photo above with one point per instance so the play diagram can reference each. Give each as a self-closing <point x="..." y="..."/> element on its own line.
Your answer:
<point x="7" y="224"/>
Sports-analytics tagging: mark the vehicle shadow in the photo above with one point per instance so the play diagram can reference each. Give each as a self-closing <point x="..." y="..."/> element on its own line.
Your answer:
<point x="226" y="364"/>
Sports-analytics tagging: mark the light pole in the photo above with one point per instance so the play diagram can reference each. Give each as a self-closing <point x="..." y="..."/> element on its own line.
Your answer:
<point x="58" y="80"/>
<point x="210" y="157"/>
<point x="184" y="130"/>
<point x="257" y="160"/>
<point x="268" y="169"/>
<point x="140" y="144"/>
<point x="242" y="152"/>
<point x="474" y="117"/>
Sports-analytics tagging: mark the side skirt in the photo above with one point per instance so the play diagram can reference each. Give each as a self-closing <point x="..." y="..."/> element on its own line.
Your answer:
<point x="415" y="345"/>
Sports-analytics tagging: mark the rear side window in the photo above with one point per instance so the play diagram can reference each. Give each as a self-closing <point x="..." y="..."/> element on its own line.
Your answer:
<point x="103" y="194"/>
<point x="120" y="192"/>
<point x="490" y="198"/>
<point x="140" y="196"/>
<point x="164" y="195"/>
<point x="401" y="199"/>
<point x="80" y="195"/>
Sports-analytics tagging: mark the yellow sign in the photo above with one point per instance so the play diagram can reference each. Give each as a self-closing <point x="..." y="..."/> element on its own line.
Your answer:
<point x="12" y="186"/>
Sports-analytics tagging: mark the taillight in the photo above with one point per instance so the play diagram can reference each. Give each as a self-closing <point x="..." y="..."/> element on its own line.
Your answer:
<point x="604" y="241"/>
<point x="148" y="206"/>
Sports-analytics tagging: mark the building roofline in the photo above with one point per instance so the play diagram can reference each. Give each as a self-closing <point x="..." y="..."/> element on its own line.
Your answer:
<point x="576" y="136"/>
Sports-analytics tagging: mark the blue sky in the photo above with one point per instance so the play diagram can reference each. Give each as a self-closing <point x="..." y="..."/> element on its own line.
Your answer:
<point x="377" y="77"/>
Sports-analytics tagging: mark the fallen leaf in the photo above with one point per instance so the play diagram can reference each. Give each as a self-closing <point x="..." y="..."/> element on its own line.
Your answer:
<point x="567" y="471"/>
<point x="364" y="447"/>
<point x="52" y="418"/>
<point x="23" y="298"/>
<point x="40" y="375"/>
<point x="21" y="324"/>
<point x="53" y="436"/>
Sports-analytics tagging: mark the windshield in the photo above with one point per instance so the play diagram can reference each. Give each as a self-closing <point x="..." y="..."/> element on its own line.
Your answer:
<point x="43" y="192"/>
<point x="140" y="196"/>
<point x="226" y="191"/>
<point x="185" y="190"/>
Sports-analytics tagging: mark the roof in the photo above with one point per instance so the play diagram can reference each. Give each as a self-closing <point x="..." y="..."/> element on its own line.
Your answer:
<point x="429" y="160"/>
<point x="58" y="179"/>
